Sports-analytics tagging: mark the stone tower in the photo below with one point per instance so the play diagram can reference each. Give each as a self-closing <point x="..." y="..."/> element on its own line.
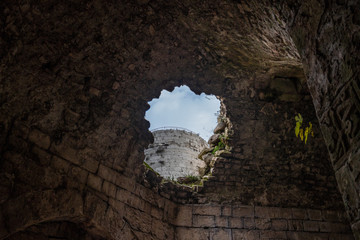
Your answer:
<point x="174" y="153"/>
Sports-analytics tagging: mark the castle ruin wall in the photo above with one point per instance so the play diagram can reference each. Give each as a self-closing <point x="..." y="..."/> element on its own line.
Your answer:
<point x="174" y="153"/>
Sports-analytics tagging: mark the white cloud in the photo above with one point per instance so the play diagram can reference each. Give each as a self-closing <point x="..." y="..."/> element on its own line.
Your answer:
<point x="183" y="108"/>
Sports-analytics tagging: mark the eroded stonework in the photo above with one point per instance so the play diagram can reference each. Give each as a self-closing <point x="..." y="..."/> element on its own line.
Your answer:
<point x="75" y="79"/>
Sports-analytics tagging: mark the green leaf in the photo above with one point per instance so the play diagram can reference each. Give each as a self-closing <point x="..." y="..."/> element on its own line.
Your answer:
<point x="215" y="149"/>
<point x="297" y="129"/>
<point x="306" y="134"/>
<point x="300" y="118"/>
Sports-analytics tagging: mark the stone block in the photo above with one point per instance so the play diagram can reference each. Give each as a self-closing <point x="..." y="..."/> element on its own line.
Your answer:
<point x="249" y="223"/>
<point x="109" y="189"/>
<point x="43" y="156"/>
<point x="243" y="211"/>
<point x="39" y="138"/>
<point x="156" y="213"/>
<point x="79" y="174"/>
<point x="272" y="212"/>
<point x="138" y="203"/>
<point x="279" y="224"/>
<point x="348" y="188"/>
<point x="203" y="221"/>
<point x="295" y="225"/>
<point x="123" y="182"/>
<point x="221" y="221"/>
<point x="226" y="210"/>
<point x="298" y="213"/>
<point x="20" y="130"/>
<point x="220" y="233"/>
<point x="325" y="227"/>
<point x="122" y="195"/>
<point x="235" y="222"/>
<point x="311" y="226"/>
<point x="183" y="233"/>
<point x="307" y="236"/>
<point x="66" y="150"/>
<point x="71" y="117"/>
<point x="107" y="173"/>
<point x="269" y="234"/>
<point x="342" y="236"/>
<point x="90" y="165"/>
<point x="207" y="210"/>
<point x="330" y="215"/>
<point x="334" y="227"/>
<point x="60" y="164"/>
<point x="170" y="211"/>
<point x="113" y="221"/>
<point x="117" y="205"/>
<point x="314" y="214"/>
<point x="138" y="219"/>
<point x="138" y="235"/>
<point x="146" y="194"/>
<point x="241" y="234"/>
<point x="161" y="229"/>
<point x="95" y="207"/>
<point x="94" y="182"/>
<point x="184" y="216"/>
<point x="263" y="223"/>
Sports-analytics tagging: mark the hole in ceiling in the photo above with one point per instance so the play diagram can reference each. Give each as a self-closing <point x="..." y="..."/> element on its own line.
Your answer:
<point x="182" y="108"/>
<point x="180" y="121"/>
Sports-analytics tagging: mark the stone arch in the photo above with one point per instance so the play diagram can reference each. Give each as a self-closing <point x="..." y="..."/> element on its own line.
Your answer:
<point x="91" y="213"/>
<point x="38" y="207"/>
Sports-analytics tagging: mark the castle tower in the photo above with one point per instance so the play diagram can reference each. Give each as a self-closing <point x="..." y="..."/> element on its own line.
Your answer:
<point x="174" y="153"/>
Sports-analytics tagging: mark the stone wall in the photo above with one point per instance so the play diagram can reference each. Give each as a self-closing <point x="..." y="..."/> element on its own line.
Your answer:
<point x="253" y="223"/>
<point x="327" y="36"/>
<point x="99" y="200"/>
<point x="74" y="85"/>
<point x="268" y="164"/>
<point x="174" y="153"/>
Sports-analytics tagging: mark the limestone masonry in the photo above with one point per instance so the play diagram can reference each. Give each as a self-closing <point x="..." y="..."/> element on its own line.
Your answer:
<point x="174" y="153"/>
<point x="75" y="81"/>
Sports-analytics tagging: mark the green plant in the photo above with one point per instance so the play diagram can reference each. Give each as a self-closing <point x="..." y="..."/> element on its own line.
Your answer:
<point x="221" y="144"/>
<point x="300" y="132"/>
<point x="192" y="178"/>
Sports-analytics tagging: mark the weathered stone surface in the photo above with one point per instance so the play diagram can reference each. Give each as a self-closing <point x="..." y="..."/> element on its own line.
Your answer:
<point x="174" y="153"/>
<point x="184" y="216"/>
<point x="214" y="139"/>
<point x="220" y="127"/>
<point x="194" y="233"/>
<point x="39" y="138"/>
<point x="74" y="84"/>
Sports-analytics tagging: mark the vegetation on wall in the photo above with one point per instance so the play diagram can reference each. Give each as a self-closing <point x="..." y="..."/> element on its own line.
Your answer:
<point x="300" y="131"/>
<point x="220" y="145"/>
<point x="150" y="168"/>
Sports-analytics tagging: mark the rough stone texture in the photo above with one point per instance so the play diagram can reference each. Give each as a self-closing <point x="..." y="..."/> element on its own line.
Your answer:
<point x="268" y="164"/>
<point x="54" y="230"/>
<point x="75" y="78"/>
<point x="174" y="153"/>
<point x="327" y="36"/>
<point x="206" y="222"/>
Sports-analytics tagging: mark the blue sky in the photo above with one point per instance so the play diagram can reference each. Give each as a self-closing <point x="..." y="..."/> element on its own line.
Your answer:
<point x="183" y="108"/>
